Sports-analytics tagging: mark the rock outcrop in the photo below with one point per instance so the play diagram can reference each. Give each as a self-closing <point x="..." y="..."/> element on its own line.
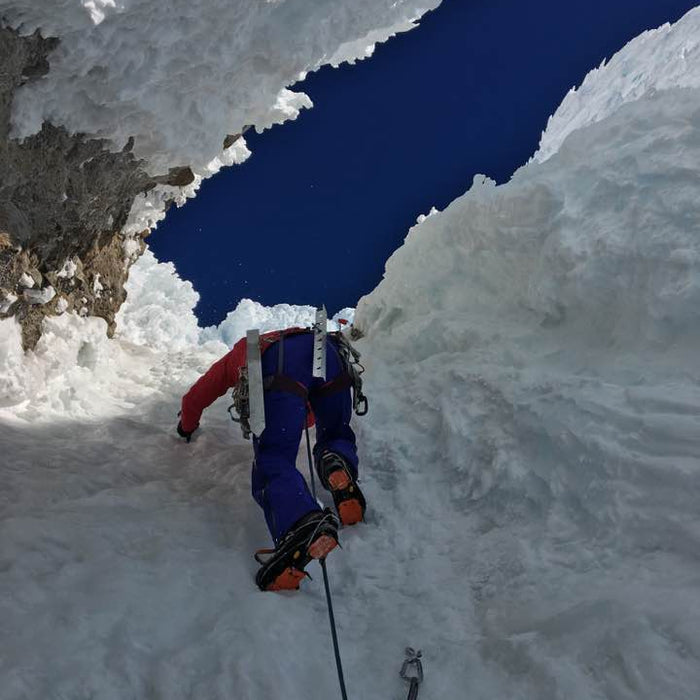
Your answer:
<point x="110" y="112"/>
<point x="64" y="199"/>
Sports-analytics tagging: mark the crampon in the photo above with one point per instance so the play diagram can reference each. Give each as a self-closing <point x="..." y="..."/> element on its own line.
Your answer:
<point x="348" y="498"/>
<point x="312" y="537"/>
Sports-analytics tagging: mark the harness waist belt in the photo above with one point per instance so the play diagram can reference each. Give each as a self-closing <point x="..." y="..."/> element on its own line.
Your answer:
<point x="340" y="383"/>
<point x="281" y="382"/>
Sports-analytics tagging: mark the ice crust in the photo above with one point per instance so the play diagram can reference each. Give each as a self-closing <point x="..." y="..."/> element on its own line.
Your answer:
<point x="180" y="75"/>
<point x="531" y="458"/>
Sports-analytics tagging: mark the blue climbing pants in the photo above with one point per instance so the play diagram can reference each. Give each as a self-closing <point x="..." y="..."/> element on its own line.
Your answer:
<point x="278" y="487"/>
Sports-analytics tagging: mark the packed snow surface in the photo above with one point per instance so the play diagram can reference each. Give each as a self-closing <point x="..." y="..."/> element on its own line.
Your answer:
<point x="531" y="458"/>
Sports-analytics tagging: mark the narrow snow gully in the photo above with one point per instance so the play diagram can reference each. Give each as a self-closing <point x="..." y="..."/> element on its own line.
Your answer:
<point x="126" y="566"/>
<point x="531" y="459"/>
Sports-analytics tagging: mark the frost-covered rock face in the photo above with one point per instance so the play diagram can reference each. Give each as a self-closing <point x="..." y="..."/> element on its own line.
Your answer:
<point x="63" y="202"/>
<point x="110" y="111"/>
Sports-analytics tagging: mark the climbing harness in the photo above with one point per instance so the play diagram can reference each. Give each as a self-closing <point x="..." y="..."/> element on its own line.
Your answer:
<point x="412" y="671"/>
<point x="247" y="408"/>
<point x="354" y="369"/>
<point x="329" y="601"/>
<point x="243" y="403"/>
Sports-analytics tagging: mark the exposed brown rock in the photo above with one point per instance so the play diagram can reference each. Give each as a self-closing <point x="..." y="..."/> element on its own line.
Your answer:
<point x="176" y="177"/>
<point x="230" y="140"/>
<point x="62" y="197"/>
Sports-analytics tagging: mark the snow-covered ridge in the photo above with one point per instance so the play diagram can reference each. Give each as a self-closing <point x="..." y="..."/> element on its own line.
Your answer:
<point x="599" y="241"/>
<point x="659" y="59"/>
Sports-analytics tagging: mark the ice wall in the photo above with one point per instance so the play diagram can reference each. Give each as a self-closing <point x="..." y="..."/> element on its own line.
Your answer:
<point x="598" y="241"/>
<point x="531" y="458"/>
<point x="532" y="364"/>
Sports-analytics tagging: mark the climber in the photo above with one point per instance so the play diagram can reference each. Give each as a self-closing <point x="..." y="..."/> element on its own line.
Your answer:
<point x="293" y="398"/>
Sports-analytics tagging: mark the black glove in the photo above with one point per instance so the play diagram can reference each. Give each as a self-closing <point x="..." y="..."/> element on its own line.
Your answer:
<point x="184" y="433"/>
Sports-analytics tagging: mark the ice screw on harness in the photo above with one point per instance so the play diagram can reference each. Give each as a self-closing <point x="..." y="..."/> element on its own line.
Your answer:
<point x="329" y="601"/>
<point x="320" y="331"/>
<point x="412" y="671"/>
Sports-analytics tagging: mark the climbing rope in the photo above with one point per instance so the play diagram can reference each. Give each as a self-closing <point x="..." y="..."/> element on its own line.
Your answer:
<point x="329" y="601"/>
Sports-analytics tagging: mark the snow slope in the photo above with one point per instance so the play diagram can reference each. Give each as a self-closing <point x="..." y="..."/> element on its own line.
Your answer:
<point x="531" y="458"/>
<point x="126" y="566"/>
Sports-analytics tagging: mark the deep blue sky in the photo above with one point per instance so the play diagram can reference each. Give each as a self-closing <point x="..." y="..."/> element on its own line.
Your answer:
<point x="313" y="215"/>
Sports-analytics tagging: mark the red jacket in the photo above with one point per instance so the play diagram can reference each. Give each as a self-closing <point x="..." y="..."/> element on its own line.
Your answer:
<point x="219" y="378"/>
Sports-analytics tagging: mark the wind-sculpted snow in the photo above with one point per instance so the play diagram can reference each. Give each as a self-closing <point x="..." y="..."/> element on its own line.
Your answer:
<point x="660" y="59"/>
<point x="251" y="314"/>
<point x="534" y="359"/>
<point x="158" y="310"/>
<point x="75" y="361"/>
<point x="178" y="76"/>
<point x="112" y="110"/>
<point x="600" y="242"/>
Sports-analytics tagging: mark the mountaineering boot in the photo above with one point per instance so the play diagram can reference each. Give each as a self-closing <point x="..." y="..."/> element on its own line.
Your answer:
<point x="312" y="537"/>
<point x="335" y="476"/>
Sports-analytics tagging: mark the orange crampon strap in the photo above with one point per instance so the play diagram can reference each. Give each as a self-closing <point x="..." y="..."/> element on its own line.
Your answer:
<point x="288" y="580"/>
<point x="350" y="512"/>
<point x="321" y="546"/>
